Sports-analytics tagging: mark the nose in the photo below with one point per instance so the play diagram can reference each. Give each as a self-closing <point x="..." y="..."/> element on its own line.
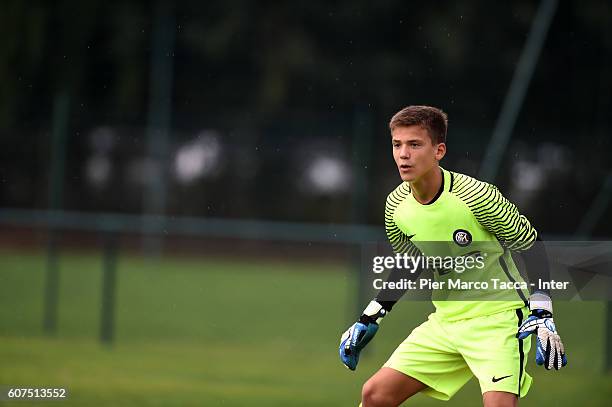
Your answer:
<point x="404" y="152"/>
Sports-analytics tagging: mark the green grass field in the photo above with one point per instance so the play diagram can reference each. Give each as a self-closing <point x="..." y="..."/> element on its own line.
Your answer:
<point x="222" y="332"/>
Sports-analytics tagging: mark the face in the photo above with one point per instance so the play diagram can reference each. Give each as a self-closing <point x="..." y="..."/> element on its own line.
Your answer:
<point x="414" y="152"/>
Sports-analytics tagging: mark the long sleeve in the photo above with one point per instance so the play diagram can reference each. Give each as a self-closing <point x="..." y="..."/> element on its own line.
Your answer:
<point x="496" y="213"/>
<point x="399" y="241"/>
<point x="400" y="244"/>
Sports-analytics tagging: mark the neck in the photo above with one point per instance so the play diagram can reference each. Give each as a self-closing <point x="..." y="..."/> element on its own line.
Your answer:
<point x="426" y="187"/>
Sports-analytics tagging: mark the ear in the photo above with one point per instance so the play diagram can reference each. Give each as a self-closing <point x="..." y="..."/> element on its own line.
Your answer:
<point x="440" y="151"/>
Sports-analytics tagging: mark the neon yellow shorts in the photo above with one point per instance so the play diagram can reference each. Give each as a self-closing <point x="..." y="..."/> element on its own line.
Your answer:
<point x="444" y="355"/>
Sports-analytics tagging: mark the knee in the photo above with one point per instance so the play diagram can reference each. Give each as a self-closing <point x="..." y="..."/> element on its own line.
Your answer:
<point x="372" y="395"/>
<point x="499" y="399"/>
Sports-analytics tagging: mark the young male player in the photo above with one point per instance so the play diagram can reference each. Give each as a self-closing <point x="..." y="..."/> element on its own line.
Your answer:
<point x="483" y="337"/>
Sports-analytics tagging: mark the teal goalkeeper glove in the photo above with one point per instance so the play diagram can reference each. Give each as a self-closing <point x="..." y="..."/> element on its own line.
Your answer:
<point x="549" y="348"/>
<point x="360" y="334"/>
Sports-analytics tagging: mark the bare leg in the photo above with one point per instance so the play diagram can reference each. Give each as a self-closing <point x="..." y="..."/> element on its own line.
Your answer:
<point x="389" y="388"/>
<point x="499" y="399"/>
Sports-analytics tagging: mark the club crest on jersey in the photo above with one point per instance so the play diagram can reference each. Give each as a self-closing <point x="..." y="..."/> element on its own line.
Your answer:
<point x="462" y="237"/>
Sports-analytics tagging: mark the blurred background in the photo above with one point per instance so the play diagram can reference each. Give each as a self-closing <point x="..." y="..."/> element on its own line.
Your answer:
<point x="185" y="187"/>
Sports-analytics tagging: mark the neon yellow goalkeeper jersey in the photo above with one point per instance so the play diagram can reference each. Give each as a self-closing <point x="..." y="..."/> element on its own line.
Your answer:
<point x="467" y="218"/>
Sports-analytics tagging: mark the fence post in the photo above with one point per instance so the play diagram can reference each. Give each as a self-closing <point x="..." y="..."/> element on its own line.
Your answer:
<point x="51" y="285"/>
<point x="608" y="339"/>
<point x="361" y="155"/>
<point x="109" y="284"/>
<point x="159" y="124"/>
<point x="59" y="134"/>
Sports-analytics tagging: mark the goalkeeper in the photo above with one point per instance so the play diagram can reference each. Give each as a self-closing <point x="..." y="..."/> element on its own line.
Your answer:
<point x="485" y="337"/>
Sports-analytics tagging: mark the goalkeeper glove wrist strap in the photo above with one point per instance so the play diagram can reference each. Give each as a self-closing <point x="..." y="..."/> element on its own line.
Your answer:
<point x="540" y="304"/>
<point x="374" y="312"/>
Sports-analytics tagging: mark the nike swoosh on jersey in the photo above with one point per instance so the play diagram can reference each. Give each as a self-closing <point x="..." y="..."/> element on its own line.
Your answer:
<point x="495" y="380"/>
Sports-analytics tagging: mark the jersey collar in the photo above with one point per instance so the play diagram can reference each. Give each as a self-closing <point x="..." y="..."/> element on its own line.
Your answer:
<point x="435" y="198"/>
<point x="447" y="184"/>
